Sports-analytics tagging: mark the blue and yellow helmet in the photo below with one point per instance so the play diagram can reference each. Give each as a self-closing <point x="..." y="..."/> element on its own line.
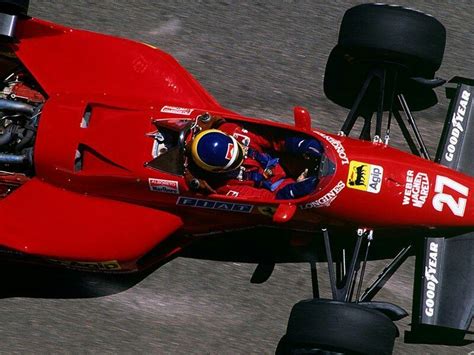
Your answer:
<point x="215" y="151"/>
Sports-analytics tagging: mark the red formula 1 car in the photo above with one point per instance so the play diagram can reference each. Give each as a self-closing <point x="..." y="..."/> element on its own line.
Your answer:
<point x="94" y="134"/>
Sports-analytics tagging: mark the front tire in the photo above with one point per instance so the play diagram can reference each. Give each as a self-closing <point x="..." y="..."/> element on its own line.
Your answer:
<point x="377" y="35"/>
<point x="14" y="7"/>
<point x="330" y="327"/>
<point x="394" y="33"/>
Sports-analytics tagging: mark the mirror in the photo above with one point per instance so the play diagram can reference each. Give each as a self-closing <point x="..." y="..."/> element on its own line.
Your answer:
<point x="302" y="118"/>
<point x="284" y="213"/>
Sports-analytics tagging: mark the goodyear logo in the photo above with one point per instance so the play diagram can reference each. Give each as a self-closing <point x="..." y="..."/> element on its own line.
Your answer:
<point x="365" y="177"/>
<point x="214" y="205"/>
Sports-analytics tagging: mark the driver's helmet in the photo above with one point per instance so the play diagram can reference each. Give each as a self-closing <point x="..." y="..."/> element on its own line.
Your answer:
<point x="215" y="151"/>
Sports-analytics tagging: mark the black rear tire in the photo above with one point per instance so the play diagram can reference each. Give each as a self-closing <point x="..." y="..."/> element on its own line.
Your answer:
<point x="14" y="7"/>
<point x="319" y="326"/>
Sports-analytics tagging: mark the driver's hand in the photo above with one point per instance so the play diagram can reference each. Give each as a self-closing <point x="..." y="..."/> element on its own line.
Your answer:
<point x="205" y="188"/>
<point x="198" y="185"/>
<point x="302" y="176"/>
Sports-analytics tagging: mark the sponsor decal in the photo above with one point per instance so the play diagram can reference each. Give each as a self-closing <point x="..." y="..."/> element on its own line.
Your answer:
<point x="230" y="151"/>
<point x="267" y="210"/>
<point x="243" y="139"/>
<point x="160" y="185"/>
<point x="177" y="110"/>
<point x="365" y="177"/>
<point x="338" y="146"/>
<point x="232" y="193"/>
<point x="86" y="265"/>
<point x="417" y="188"/>
<point x="431" y="280"/>
<point x="214" y="205"/>
<point x="457" y="129"/>
<point x="457" y="206"/>
<point x="327" y="199"/>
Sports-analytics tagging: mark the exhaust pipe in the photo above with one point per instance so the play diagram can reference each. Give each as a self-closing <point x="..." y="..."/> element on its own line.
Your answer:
<point x="13" y="159"/>
<point x="16" y="106"/>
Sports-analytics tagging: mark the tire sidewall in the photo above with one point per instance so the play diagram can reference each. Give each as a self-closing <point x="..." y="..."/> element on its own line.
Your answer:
<point x="339" y="326"/>
<point x="395" y="33"/>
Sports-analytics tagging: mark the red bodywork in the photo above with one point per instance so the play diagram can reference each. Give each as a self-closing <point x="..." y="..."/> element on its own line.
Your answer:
<point x="115" y="209"/>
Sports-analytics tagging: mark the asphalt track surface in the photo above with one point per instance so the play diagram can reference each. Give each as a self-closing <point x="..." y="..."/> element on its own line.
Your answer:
<point x="260" y="59"/>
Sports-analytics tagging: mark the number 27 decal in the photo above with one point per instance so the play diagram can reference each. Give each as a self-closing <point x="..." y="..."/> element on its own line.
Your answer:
<point x="442" y="198"/>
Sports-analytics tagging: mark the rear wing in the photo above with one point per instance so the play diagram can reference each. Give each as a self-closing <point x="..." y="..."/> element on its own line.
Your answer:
<point x="457" y="140"/>
<point x="443" y="303"/>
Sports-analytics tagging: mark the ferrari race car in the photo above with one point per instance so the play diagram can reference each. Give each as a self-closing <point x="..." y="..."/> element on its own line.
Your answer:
<point x="103" y="204"/>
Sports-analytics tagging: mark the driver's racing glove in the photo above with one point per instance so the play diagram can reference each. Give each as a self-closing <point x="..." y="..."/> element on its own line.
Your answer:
<point x="309" y="147"/>
<point x="297" y="189"/>
<point x="198" y="185"/>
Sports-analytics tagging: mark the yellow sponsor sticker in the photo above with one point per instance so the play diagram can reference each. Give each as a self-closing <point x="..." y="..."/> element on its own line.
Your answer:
<point x="365" y="177"/>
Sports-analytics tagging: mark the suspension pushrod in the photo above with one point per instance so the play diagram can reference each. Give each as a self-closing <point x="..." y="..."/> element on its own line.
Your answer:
<point x="332" y="276"/>
<point x="362" y="272"/>
<point x="314" y="279"/>
<point x="354" y="112"/>
<point x="386" y="274"/>
<point x="411" y="121"/>
<point x="350" y="279"/>
<point x="406" y="133"/>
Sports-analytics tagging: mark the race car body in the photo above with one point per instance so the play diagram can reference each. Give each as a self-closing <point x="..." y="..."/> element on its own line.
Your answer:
<point x="94" y="134"/>
<point x="106" y="101"/>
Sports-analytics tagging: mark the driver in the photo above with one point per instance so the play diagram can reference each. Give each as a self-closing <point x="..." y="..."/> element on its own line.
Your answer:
<point x="233" y="161"/>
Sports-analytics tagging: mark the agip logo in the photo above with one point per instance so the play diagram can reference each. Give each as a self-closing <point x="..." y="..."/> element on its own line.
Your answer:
<point x="365" y="177"/>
